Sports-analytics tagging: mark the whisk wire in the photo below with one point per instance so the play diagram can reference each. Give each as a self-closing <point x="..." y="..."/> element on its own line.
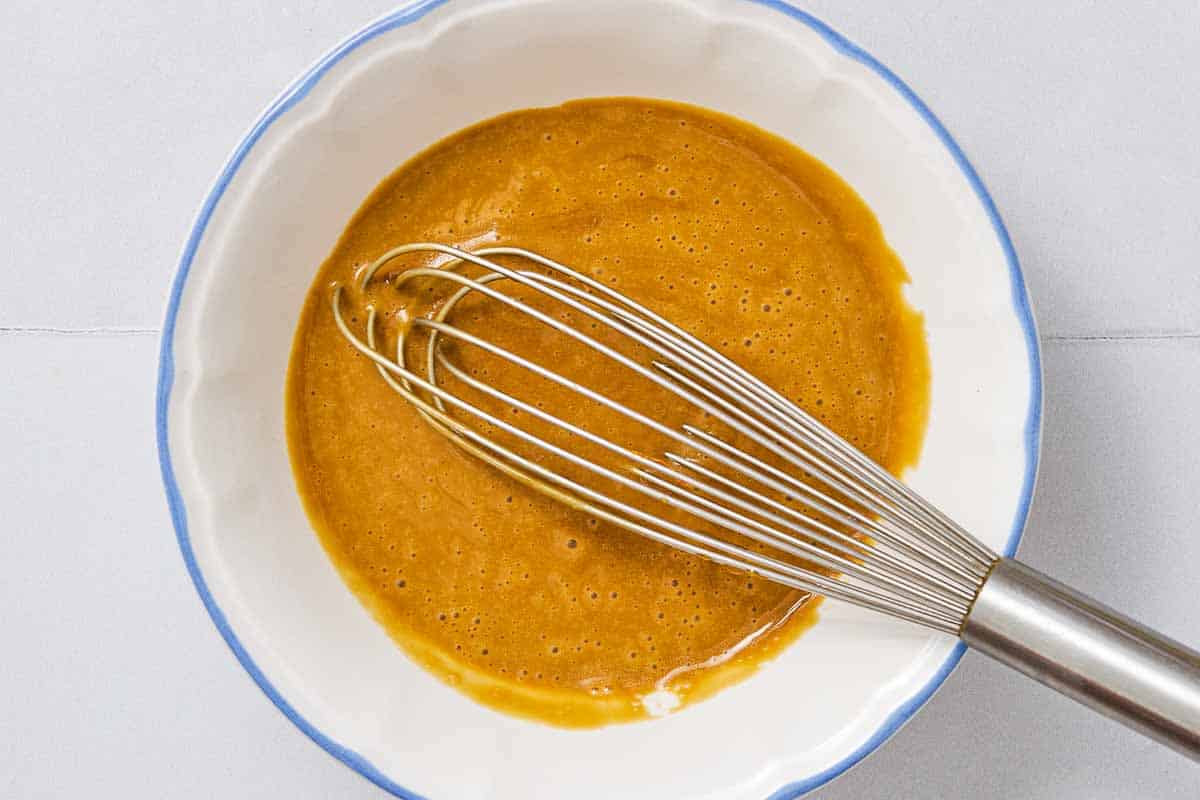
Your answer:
<point x="622" y="514"/>
<point x="867" y="538"/>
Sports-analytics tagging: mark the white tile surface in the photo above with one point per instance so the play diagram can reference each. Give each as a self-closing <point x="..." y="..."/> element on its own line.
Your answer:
<point x="1082" y="119"/>
<point x="113" y="681"/>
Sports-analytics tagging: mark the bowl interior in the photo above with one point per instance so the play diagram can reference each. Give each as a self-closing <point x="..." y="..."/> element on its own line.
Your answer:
<point x="276" y="211"/>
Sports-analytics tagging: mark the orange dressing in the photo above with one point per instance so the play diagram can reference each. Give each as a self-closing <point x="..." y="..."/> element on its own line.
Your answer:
<point x="734" y="234"/>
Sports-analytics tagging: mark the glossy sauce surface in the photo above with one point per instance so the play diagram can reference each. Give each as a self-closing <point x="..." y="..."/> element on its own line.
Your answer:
<point x="731" y="233"/>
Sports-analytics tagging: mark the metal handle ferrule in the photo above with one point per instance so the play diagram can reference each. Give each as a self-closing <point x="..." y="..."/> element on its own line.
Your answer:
<point x="1089" y="652"/>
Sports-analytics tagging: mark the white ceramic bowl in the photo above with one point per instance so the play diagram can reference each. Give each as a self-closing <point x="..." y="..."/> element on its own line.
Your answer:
<point x="274" y="213"/>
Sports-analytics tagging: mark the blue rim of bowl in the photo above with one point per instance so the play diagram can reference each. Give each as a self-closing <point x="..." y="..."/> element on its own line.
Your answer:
<point x="294" y="94"/>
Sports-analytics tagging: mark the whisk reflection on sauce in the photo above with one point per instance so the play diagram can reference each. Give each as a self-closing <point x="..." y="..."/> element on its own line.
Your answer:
<point x="752" y="482"/>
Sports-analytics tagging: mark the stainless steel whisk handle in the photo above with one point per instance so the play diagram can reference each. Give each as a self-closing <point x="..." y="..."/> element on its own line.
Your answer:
<point x="1090" y="653"/>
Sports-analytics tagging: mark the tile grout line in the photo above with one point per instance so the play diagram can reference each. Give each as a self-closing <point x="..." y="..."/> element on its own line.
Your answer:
<point x="34" y="330"/>
<point x="1122" y="337"/>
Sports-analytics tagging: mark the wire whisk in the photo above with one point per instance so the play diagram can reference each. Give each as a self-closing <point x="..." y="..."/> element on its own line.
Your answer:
<point x="726" y="467"/>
